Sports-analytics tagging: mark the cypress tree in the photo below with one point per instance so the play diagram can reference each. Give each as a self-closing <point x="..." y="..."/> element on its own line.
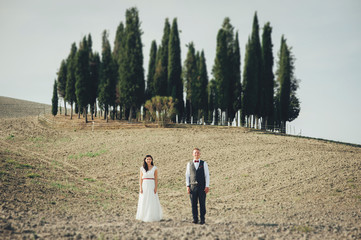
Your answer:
<point x="212" y="102"/>
<point x="288" y="104"/>
<point x="62" y="76"/>
<point x="119" y="43"/>
<point x="257" y="54"/>
<point x="190" y="76"/>
<point x="268" y="76"/>
<point x="70" y="95"/>
<point x="82" y="72"/>
<point x="132" y="83"/>
<point x="157" y="80"/>
<point x="54" y="100"/>
<point x="107" y="77"/>
<point x="94" y="81"/>
<point x="161" y="71"/>
<point x="118" y="53"/>
<point x="237" y="86"/>
<point x="151" y="71"/>
<point x="220" y="73"/>
<point x="203" y="86"/>
<point x="252" y="102"/>
<point x="249" y="99"/>
<point x="229" y="77"/>
<point x="175" y="83"/>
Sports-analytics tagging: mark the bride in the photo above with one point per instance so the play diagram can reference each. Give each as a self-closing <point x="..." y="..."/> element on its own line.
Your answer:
<point x="149" y="209"/>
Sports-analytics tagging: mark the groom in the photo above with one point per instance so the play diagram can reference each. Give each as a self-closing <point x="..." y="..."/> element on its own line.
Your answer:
<point x="197" y="180"/>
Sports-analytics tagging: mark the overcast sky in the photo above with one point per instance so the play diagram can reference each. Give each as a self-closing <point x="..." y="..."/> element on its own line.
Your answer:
<point x="324" y="35"/>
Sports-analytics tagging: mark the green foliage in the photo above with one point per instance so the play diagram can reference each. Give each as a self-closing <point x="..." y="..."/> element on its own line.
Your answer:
<point x="190" y="77"/>
<point x="161" y="108"/>
<point x="251" y="101"/>
<point x="212" y="100"/>
<point x="161" y="71"/>
<point x="220" y="72"/>
<point x="132" y="84"/>
<point x="33" y="175"/>
<point x="175" y="83"/>
<point x="54" y="100"/>
<point x="89" y="179"/>
<point x="94" y="66"/>
<point x="10" y="163"/>
<point x="87" y="154"/>
<point x="62" y="77"/>
<point x="70" y="79"/>
<point x="288" y="105"/>
<point x="268" y="76"/>
<point x="202" y="85"/>
<point x="236" y="86"/>
<point x="82" y="75"/>
<point x="151" y="71"/>
<point x="11" y="137"/>
<point x="108" y="75"/>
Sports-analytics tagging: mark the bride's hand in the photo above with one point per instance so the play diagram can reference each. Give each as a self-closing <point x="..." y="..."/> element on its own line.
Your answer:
<point x="141" y="191"/>
<point x="155" y="190"/>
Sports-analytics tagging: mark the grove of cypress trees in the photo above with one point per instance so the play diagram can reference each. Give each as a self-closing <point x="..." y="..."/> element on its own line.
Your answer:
<point x="175" y="83"/>
<point x="54" y="100"/>
<point x="70" y="95"/>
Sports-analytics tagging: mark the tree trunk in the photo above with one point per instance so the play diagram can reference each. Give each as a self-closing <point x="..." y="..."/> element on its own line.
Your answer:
<point x="71" y="110"/>
<point x="130" y="114"/>
<point x="65" y="107"/>
<point x="86" y="115"/>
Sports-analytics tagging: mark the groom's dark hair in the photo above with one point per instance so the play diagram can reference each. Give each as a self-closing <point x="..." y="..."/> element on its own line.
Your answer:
<point x="145" y="165"/>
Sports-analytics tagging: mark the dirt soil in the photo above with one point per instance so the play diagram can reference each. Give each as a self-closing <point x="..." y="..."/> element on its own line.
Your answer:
<point x="74" y="183"/>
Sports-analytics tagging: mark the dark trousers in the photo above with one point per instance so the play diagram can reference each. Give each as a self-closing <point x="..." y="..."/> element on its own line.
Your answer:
<point x="197" y="194"/>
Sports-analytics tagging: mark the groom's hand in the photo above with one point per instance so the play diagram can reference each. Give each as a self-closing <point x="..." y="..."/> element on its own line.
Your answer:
<point x="188" y="190"/>
<point x="206" y="190"/>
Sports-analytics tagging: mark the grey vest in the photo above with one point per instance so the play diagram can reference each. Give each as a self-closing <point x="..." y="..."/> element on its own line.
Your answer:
<point x="197" y="177"/>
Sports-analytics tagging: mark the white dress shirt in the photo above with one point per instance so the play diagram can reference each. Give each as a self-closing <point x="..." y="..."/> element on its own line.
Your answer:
<point x="196" y="165"/>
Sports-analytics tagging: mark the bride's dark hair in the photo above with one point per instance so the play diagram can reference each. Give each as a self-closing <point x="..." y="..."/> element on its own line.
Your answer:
<point x="145" y="165"/>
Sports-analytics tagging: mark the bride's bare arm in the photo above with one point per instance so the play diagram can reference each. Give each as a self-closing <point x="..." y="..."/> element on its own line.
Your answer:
<point x="141" y="182"/>
<point x="156" y="181"/>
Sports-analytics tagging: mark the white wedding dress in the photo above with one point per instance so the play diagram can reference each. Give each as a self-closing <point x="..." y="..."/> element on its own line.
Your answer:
<point x="149" y="209"/>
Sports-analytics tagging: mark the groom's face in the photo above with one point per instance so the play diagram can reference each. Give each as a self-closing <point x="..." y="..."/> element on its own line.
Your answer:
<point x="196" y="154"/>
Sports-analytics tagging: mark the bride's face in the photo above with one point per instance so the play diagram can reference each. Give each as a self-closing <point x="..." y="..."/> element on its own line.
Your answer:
<point x="148" y="160"/>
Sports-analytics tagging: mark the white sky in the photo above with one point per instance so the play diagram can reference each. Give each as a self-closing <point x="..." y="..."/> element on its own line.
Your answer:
<point x="325" y="35"/>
